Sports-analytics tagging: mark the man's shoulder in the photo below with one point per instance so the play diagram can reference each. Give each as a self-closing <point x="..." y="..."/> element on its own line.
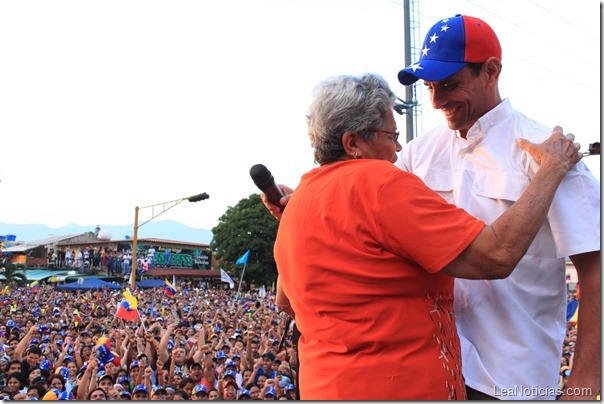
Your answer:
<point x="527" y="127"/>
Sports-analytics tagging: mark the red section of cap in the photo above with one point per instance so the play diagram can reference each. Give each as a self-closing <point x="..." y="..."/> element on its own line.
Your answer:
<point x="481" y="41"/>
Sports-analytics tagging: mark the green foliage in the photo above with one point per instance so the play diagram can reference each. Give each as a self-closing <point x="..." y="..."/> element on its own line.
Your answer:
<point x="248" y="225"/>
<point x="10" y="272"/>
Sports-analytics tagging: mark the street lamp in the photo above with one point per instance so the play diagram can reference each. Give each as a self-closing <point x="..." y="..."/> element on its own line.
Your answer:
<point x="404" y="107"/>
<point x="194" y="198"/>
<point x="594" y="150"/>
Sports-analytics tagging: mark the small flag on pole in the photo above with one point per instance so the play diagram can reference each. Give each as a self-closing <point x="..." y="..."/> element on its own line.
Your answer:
<point x="224" y="277"/>
<point x="153" y="312"/>
<point x="243" y="258"/>
<point x="128" y="308"/>
<point x="169" y="289"/>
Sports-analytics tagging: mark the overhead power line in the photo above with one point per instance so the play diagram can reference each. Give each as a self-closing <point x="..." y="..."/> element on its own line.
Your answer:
<point x="563" y="20"/>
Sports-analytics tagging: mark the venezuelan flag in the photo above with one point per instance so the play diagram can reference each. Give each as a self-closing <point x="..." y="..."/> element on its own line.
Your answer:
<point x="103" y="352"/>
<point x="169" y="289"/>
<point x="128" y="308"/>
<point x="34" y="286"/>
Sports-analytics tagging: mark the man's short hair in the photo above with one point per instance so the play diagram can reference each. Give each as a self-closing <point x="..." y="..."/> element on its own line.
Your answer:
<point x="34" y="349"/>
<point x="14" y="361"/>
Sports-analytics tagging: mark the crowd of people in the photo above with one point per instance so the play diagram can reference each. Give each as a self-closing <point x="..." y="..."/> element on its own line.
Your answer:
<point x="87" y="259"/>
<point x="94" y="259"/>
<point x="200" y="343"/>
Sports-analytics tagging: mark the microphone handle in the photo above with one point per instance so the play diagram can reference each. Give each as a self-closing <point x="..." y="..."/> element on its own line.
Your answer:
<point x="274" y="194"/>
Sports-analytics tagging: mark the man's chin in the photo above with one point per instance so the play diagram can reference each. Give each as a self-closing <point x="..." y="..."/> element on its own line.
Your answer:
<point x="453" y="125"/>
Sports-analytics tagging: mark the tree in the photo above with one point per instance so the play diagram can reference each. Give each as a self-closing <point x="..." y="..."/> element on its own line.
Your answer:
<point x="248" y="225"/>
<point x="12" y="273"/>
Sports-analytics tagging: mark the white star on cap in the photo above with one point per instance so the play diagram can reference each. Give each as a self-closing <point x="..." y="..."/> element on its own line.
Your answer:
<point x="433" y="38"/>
<point x="444" y="28"/>
<point x="415" y="66"/>
<point x="425" y="51"/>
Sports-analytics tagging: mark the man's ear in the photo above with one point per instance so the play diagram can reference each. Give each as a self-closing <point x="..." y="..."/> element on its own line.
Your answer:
<point x="492" y="67"/>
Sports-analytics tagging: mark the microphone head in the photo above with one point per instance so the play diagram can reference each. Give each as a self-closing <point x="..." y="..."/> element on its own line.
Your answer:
<point x="260" y="175"/>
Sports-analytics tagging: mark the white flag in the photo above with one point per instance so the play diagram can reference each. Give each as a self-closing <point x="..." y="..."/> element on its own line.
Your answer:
<point x="224" y="277"/>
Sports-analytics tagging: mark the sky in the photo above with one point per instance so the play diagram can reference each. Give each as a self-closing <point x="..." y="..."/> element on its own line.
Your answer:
<point x="107" y="105"/>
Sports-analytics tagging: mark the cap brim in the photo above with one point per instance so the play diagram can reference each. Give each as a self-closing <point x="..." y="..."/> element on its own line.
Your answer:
<point x="429" y="70"/>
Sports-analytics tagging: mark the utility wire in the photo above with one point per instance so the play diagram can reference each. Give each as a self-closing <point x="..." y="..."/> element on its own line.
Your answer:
<point x="530" y="33"/>
<point x="563" y="20"/>
<point x="527" y="31"/>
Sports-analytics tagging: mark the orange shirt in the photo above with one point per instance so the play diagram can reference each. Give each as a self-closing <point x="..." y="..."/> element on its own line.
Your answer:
<point x="358" y="252"/>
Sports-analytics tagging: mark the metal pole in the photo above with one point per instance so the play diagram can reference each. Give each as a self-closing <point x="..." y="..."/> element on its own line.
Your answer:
<point x="241" y="280"/>
<point x="409" y="89"/>
<point x="134" y="246"/>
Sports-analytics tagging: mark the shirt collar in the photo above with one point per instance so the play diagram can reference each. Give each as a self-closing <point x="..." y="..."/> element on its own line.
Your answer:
<point x="484" y="124"/>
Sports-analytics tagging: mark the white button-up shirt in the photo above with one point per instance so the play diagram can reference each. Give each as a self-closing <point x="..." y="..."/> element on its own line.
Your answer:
<point x="512" y="329"/>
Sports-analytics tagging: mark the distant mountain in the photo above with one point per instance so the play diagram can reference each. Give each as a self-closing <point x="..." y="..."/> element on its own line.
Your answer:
<point x="166" y="229"/>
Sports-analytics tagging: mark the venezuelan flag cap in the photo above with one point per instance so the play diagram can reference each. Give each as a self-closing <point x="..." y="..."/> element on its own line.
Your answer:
<point x="449" y="46"/>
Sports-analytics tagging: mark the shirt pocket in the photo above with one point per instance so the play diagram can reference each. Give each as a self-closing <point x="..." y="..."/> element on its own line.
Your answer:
<point x="438" y="180"/>
<point x="499" y="185"/>
<point x="441" y="182"/>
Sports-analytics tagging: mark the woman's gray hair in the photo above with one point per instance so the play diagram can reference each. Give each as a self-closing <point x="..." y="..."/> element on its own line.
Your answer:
<point x="346" y="104"/>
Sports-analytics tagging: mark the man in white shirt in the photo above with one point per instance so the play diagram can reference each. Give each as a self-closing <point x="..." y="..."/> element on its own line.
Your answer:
<point x="151" y="256"/>
<point x="511" y="330"/>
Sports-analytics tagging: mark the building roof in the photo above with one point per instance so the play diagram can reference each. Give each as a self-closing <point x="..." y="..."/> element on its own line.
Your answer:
<point x="153" y="241"/>
<point x="37" y="243"/>
<point x="42" y="274"/>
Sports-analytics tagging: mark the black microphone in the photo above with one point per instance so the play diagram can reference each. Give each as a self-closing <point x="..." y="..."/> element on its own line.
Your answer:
<point x="265" y="181"/>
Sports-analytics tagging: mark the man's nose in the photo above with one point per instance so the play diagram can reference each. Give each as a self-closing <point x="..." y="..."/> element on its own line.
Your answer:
<point x="438" y="98"/>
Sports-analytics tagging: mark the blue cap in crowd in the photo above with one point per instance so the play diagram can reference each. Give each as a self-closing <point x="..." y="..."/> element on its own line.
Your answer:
<point x="140" y="387"/>
<point x="200" y="388"/>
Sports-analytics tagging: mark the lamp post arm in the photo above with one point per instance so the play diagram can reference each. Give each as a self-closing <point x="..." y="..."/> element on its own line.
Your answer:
<point x="163" y="204"/>
<point x="192" y="198"/>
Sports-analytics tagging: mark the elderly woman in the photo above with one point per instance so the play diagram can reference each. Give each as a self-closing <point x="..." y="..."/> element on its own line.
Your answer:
<point x="367" y="253"/>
